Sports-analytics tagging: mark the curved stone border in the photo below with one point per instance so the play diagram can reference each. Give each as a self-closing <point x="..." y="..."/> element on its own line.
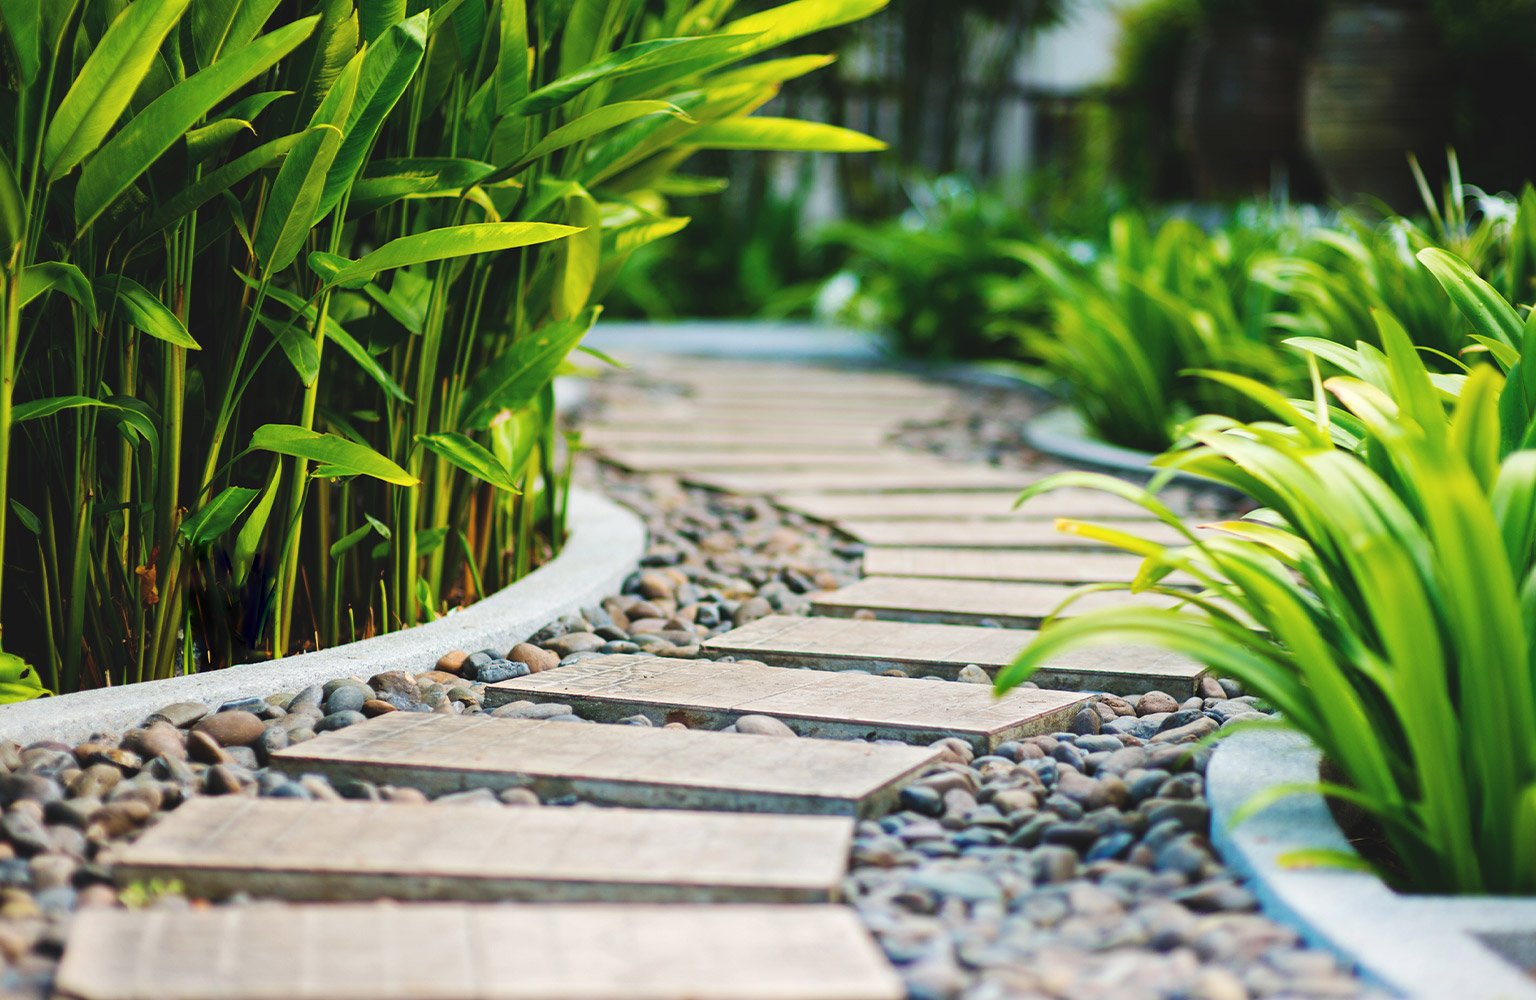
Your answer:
<point x="1418" y="946"/>
<point x="604" y="547"/>
<point x="1062" y="433"/>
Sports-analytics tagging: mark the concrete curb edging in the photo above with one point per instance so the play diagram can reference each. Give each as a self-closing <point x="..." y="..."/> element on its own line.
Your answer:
<point x="1062" y="433"/>
<point x="605" y="546"/>
<point x="1429" y="947"/>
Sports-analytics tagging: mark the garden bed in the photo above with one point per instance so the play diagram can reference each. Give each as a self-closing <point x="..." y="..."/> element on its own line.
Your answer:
<point x="1418" y="946"/>
<point x="605" y="545"/>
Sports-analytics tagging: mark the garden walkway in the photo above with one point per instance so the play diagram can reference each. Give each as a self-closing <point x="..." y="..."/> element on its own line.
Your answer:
<point x="955" y="581"/>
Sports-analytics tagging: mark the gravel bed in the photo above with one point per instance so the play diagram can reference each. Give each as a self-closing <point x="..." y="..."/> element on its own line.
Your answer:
<point x="1075" y="865"/>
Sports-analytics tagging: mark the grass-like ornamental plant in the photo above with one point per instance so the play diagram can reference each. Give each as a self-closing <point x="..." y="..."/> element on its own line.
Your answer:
<point x="1392" y="574"/>
<point x="1126" y="327"/>
<point x="284" y="285"/>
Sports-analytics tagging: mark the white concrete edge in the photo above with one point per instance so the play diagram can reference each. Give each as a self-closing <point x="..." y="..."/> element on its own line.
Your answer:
<point x="1062" y="433"/>
<point x="605" y="545"/>
<point x="1416" y="946"/>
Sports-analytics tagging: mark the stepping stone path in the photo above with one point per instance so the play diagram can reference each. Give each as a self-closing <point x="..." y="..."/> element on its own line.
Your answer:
<point x="293" y="849"/>
<point x="915" y="476"/>
<point x="923" y="650"/>
<point x="968" y="602"/>
<point x="988" y="506"/>
<point x="1004" y="565"/>
<point x="754" y="435"/>
<point x="812" y="703"/>
<point x="703" y="821"/>
<point x="615" y="765"/>
<point x="640" y="459"/>
<point x="1016" y="534"/>
<point x="445" y="951"/>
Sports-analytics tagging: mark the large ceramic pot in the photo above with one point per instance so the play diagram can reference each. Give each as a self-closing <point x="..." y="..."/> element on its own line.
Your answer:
<point x="1375" y="91"/>
<point x="1237" y="109"/>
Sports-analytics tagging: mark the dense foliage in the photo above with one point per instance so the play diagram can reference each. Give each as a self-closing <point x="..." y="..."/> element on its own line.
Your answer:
<point x="1390" y="574"/>
<point x="285" y="285"/>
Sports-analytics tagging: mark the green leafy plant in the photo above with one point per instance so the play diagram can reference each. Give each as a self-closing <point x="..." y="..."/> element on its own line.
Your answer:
<point x="1390" y="570"/>
<point x="1126" y="325"/>
<point x="274" y="283"/>
<point x="929" y="279"/>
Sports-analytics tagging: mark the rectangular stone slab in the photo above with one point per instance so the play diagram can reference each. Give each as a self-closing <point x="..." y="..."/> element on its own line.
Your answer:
<point x="614" y="765"/>
<point x="805" y="408"/>
<point x="967" y="602"/>
<point x="455" y="951"/>
<point x="1007" y="565"/>
<point x="797" y="418"/>
<point x="715" y="438"/>
<point x="847" y="706"/>
<point x="914" y="478"/>
<point x="996" y="505"/>
<point x="924" y="650"/>
<point x="1016" y="534"/>
<point x="304" y="850"/>
<point x="637" y="459"/>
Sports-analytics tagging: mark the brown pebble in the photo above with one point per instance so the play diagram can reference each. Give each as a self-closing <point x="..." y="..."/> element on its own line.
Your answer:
<point x="952" y="748"/>
<point x="394" y="682"/>
<point x="232" y="729"/>
<point x="374" y="707"/>
<point x="205" y="749"/>
<point x="158" y="739"/>
<point x="1154" y="702"/>
<point x="437" y="677"/>
<point x="452" y="662"/>
<point x="535" y="658"/>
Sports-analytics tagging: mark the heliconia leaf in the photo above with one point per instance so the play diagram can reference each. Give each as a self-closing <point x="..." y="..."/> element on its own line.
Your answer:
<point x="218" y="25"/>
<point x="578" y="257"/>
<point x="512" y="55"/>
<point x="19" y="680"/>
<point x="349" y="541"/>
<point x="37" y="408"/>
<point x="208" y="140"/>
<point x="388" y="66"/>
<point x="48" y="276"/>
<point x="593" y="123"/>
<point x="23" y="25"/>
<point x="777" y="25"/>
<point x="217" y="516"/>
<point x="631" y="58"/>
<point x="471" y="456"/>
<point x="447" y="242"/>
<point x="772" y="70"/>
<point x="13" y="209"/>
<point x="378" y="16"/>
<point x="151" y="132"/>
<point x="631" y="238"/>
<point x="337" y="334"/>
<point x="107" y="81"/>
<point x="516" y="377"/>
<point x="329" y="449"/>
<point x="782" y="134"/>
<point x="27" y="518"/>
<point x="291" y="208"/>
<point x="249" y="538"/>
<point x="216" y="182"/>
<point x="144" y="311"/>
<point x="297" y="346"/>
